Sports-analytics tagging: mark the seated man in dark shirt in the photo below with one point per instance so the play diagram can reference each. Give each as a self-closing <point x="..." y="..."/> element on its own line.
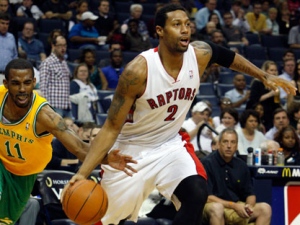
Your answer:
<point x="231" y="199"/>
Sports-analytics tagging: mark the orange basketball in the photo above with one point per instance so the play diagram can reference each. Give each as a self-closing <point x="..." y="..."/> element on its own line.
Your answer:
<point x="85" y="202"/>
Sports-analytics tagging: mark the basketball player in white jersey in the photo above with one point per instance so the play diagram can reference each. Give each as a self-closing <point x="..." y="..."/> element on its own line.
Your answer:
<point x="158" y="87"/>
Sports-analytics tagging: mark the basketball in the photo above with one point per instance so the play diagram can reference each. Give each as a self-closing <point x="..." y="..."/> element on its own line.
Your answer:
<point x="85" y="202"/>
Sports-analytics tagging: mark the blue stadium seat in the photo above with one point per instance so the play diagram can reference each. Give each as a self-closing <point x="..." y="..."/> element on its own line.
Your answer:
<point x="253" y="38"/>
<point x="207" y="89"/>
<point x="73" y="54"/>
<point x="128" y="56"/>
<point x="255" y="52"/>
<point x="276" y="54"/>
<point x="226" y="77"/>
<point x="122" y="7"/>
<point x="100" y="118"/>
<point x="48" y="25"/>
<point x="223" y="88"/>
<point x="274" y="41"/>
<point x="212" y="99"/>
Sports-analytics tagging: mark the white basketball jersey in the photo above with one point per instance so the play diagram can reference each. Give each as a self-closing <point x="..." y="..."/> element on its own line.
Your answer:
<point x="161" y="110"/>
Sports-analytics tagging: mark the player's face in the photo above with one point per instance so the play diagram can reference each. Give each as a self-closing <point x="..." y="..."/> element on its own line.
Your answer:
<point x="228" y="146"/>
<point x="176" y="33"/>
<point x="20" y="85"/>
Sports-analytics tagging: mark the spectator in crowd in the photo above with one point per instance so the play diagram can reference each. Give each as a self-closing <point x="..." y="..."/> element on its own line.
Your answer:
<point x="105" y="22"/>
<point x="82" y="6"/>
<point x="293" y="111"/>
<point x="62" y="159"/>
<point x="288" y="54"/>
<point x="258" y="93"/>
<point x="289" y="141"/>
<point x="201" y="17"/>
<point x="284" y="22"/>
<point x="259" y="108"/>
<point x="223" y="104"/>
<point x="229" y="118"/>
<point x="116" y="35"/>
<point x="56" y="9"/>
<point x="151" y="22"/>
<point x="136" y="11"/>
<point x="298" y="129"/>
<point x="94" y="132"/>
<point x="114" y="70"/>
<point x="29" y="10"/>
<point x="211" y="73"/>
<point x="294" y="36"/>
<point x="32" y="47"/>
<point x="195" y="35"/>
<point x="200" y="115"/>
<point x="88" y="56"/>
<point x="7" y="44"/>
<point x="83" y="94"/>
<point x="84" y="35"/>
<point x="55" y="78"/>
<point x="294" y="7"/>
<point x="296" y="83"/>
<point x="215" y="18"/>
<point x="229" y="201"/>
<point x="248" y="134"/>
<point x="53" y="34"/>
<point x="246" y="6"/>
<point x="4" y="8"/>
<point x="217" y="37"/>
<point x="233" y="34"/>
<point x="135" y="41"/>
<point x="207" y="31"/>
<point x="112" y="46"/>
<point x="272" y="24"/>
<point x="257" y="21"/>
<point x="288" y="72"/>
<point x="280" y="120"/>
<point x="238" y="15"/>
<point x="239" y="95"/>
<point x="265" y="6"/>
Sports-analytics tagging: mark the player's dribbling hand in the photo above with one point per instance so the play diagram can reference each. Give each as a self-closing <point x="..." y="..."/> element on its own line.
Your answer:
<point x="76" y="177"/>
<point x="273" y="82"/>
<point x="120" y="162"/>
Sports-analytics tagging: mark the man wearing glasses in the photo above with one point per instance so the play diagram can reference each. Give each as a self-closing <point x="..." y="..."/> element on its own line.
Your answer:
<point x="55" y="78"/>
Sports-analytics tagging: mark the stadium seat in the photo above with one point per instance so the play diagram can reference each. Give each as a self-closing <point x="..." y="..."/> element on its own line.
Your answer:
<point x="274" y="41"/>
<point x="105" y="93"/>
<point x="48" y="25"/>
<point x="100" y="118"/>
<point x="128" y="56"/>
<point x="43" y="37"/>
<point x="207" y="89"/>
<point x="276" y="54"/>
<point x="223" y="88"/>
<point x="122" y="7"/>
<point x="73" y="54"/>
<point x="255" y="52"/>
<point x="51" y="183"/>
<point x="212" y="99"/>
<point x="253" y="39"/>
<point x="102" y="54"/>
<point x="226" y="77"/>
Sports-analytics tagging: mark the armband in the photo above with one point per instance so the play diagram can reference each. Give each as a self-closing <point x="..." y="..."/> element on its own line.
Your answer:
<point x="220" y="55"/>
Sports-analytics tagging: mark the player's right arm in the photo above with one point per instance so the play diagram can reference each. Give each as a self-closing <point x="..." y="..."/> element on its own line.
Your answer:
<point x="131" y="85"/>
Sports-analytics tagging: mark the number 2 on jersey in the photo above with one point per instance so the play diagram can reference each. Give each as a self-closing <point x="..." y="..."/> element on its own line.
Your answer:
<point x="172" y="110"/>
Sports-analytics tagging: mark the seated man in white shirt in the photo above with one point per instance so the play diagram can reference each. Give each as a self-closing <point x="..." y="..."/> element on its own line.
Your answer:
<point x="239" y="95"/>
<point x="287" y="74"/>
<point x="200" y="115"/>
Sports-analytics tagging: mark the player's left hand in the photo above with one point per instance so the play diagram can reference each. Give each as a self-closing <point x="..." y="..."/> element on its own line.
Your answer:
<point x="120" y="162"/>
<point x="248" y="209"/>
<point x="273" y="82"/>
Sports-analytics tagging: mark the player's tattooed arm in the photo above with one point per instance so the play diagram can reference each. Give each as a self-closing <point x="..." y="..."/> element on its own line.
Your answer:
<point x="49" y="121"/>
<point x="203" y="47"/>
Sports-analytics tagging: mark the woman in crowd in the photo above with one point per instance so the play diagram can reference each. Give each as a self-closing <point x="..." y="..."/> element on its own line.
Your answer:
<point x="265" y="96"/>
<point x="88" y="56"/>
<point x="248" y="135"/>
<point x="229" y="118"/>
<point x="83" y="94"/>
<point x="288" y="139"/>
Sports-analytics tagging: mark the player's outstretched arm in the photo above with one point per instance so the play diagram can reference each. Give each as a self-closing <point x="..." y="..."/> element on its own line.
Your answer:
<point x="241" y="64"/>
<point x="49" y="120"/>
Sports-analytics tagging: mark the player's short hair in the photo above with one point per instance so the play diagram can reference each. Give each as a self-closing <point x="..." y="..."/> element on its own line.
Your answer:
<point x="18" y="64"/>
<point x="161" y="15"/>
